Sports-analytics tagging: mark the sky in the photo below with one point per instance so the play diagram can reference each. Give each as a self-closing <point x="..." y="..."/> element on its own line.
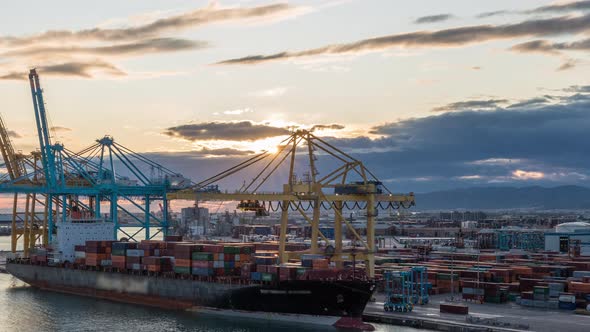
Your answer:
<point x="430" y="95"/>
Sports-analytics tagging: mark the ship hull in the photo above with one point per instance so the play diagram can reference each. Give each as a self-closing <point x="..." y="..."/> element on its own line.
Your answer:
<point x="338" y="303"/>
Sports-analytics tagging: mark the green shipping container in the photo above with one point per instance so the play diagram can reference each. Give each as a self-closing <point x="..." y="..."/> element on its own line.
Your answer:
<point x="202" y="256"/>
<point x="301" y="271"/>
<point x="119" y="252"/>
<point x="231" y="250"/>
<point x="268" y="276"/>
<point x="182" y="270"/>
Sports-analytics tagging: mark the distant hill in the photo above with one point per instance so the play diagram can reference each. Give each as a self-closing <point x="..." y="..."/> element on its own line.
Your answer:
<point x="497" y="198"/>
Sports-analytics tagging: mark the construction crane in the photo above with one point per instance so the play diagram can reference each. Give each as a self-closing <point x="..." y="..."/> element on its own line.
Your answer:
<point x="348" y="184"/>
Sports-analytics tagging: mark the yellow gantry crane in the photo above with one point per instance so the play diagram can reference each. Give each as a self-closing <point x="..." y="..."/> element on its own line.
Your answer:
<point x="347" y="182"/>
<point x="33" y="228"/>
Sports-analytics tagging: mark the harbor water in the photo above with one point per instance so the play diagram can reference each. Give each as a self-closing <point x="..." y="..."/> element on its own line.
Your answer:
<point x="25" y="308"/>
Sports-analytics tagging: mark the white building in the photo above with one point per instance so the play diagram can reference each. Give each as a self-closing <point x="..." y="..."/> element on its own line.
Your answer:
<point x="565" y="235"/>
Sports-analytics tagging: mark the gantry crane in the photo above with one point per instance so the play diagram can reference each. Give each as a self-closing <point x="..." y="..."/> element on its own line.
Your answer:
<point x="74" y="185"/>
<point x="346" y="182"/>
<point x="33" y="228"/>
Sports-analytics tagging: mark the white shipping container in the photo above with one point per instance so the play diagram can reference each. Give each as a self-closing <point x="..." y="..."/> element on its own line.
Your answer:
<point x="567" y="298"/>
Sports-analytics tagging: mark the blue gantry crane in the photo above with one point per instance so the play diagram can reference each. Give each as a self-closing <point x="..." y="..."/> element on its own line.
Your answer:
<point x="75" y="184"/>
<point x="420" y="285"/>
<point x="398" y="291"/>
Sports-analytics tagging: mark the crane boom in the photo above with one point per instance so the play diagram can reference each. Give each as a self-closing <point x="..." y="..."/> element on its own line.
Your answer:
<point x="47" y="156"/>
<point x="14" y="165"/>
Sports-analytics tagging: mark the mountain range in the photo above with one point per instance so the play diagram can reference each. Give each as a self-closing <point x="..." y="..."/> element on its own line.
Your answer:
<point x="569" y="197"/>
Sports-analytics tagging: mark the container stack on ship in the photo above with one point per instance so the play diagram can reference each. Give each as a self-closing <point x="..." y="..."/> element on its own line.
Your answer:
<point x="233" y="279"/>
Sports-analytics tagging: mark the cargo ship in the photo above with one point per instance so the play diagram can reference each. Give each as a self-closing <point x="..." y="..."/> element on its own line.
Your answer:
<point x="226" y="279"/>
<point x="336" y="303"/>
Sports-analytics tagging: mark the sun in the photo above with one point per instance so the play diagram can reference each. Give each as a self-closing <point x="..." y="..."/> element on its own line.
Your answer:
<point x="272" y="149"/>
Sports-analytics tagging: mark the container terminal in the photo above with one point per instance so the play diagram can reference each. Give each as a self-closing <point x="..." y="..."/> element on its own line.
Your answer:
<point x="336" y="275"/>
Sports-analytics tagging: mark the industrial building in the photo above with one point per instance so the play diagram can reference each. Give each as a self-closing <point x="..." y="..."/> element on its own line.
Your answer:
<point x="569" y="237"/>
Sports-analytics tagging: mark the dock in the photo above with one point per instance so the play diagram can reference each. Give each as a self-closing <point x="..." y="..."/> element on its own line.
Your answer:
<point x="491" y="317"/>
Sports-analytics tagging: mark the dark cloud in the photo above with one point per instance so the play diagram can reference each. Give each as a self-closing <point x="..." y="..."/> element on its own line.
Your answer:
<point x="441" y="38"/>
<point x="433" y="18"/>
<point x="534" y="143"/>
<point x="578" y="89"/>
<point x="550" y="9"/>
<point x="14" y="134"/>
<point x="531" y="102"/>
<point x="561" y="8"/>
<point x="494" y="13"/>
<point x="232" y="131"/>
<point x="544" y="46"/>
<point x="76" y="69"/>
<point x="224" y="152"/>
<point x="60" y="128"/>
<point x="508" y="145"/>
<point x="179" y="22"/>
<point x="324" y="127"/>
<point x="156" y="45"/>
<point x="471" y="105"/>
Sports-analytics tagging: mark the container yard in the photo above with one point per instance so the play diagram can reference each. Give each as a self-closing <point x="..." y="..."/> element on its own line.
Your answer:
<point x="318" y="175"/>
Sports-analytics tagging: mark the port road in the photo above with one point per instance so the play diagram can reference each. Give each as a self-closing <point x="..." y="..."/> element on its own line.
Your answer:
<point x="537" y="319"/>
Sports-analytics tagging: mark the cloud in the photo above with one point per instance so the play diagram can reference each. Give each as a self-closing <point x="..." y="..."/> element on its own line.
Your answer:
<point x="13" y="134"/>
<point x="578" y="89"/>
<point x="494" y="13"/>
<point x="504" y="146"/>
<point x="71" y="48"/>
<point x="231" y="131"/>
<point x="526" y="175"/>
<point x="550" y="9"/>
<point x="471" y="105"/>
<point x="270" y="93"/>
<point x="156" y="45"/>
<point x="568" y="64"/>
<point x="544" y="46"/>
<point x="76" y="69"/>
<point x="60" y="128"/>
<point x="497" y="162"/>
<point x="238" y="111"/>
<point x="183" y="21"/>
<point x="324" y="127"/>
<point x="433" y="18"/>
<point x="440" y="38"/>
<point x="493" y="145"/>
<point x="224" y="152"/>
<point x="561" y="8"/>
<point x="531" y="102"/>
